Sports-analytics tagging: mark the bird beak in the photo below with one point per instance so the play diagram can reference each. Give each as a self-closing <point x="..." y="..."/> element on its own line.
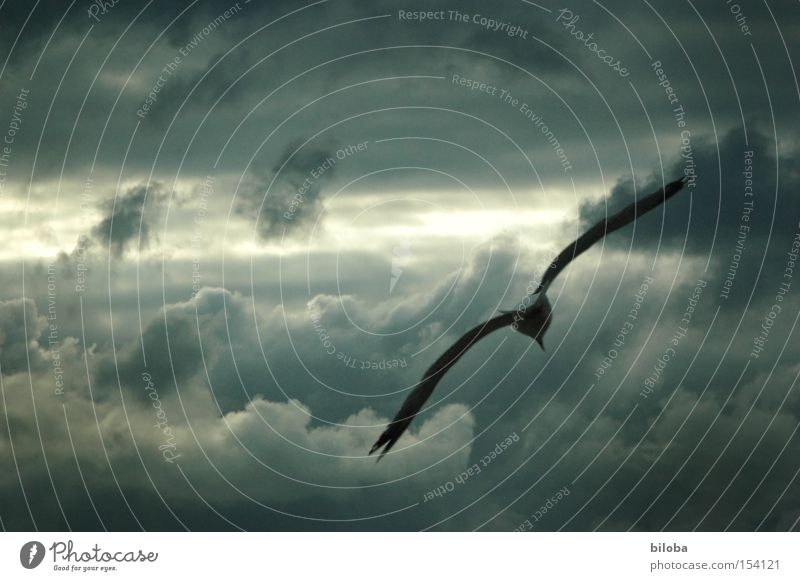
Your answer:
<point x="540" y="341"/>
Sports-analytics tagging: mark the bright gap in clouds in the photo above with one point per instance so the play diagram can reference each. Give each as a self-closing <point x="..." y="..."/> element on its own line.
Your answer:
<point x="344" y="226"/>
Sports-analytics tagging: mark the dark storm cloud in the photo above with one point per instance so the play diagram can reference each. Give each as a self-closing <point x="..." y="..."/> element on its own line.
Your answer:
<point x="208" y="84"/>
<point x="173" y="351"/>
<point x="35" y="22"/>
<point x="129" y="219"/>
<point x="733" y="174"/>
<point x="207" y="447"/>
<point x="375" y="345"/>
<point x="217" y="333"/>
<point x="740" y="209"/>
<point x="288" y="197"/>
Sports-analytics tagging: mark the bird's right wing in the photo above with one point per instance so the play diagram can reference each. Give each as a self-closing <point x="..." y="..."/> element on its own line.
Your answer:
<point x="417" y="398"/>
<point x="608" y="225"/>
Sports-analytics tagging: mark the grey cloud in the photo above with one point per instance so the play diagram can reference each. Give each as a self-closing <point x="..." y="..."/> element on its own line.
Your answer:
<point x="21" y="326"/>
<point x="711" y="215"/>
<point x="268" y="455"/>
<point x="288" y="197"/>
<point x="262" y="423"/>
<point x="739" y="215"/>
<point x="129" y="218"/>
<point x="183" y="342"/>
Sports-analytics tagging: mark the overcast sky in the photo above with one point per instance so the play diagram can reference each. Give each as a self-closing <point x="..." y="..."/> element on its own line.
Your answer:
<point x="236" y="234"/>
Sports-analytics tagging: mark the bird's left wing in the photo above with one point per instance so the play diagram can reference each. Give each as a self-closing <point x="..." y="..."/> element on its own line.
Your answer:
<point x="417" y="398"/>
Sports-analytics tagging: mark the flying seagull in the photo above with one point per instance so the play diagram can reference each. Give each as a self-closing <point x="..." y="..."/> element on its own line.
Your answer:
<point x="532" y="320"/>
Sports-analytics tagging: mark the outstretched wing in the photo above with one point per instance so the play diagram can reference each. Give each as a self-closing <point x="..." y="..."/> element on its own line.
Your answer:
<point x="608" y="225"/>
<point x="417" y="398"/>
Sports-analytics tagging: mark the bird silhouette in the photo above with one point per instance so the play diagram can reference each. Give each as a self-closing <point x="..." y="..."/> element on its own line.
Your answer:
<point x="532" y="320"/>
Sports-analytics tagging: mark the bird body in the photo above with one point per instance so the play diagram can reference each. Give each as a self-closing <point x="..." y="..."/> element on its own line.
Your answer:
<point x="535" y="319"/>
<point x="532" y="321"/>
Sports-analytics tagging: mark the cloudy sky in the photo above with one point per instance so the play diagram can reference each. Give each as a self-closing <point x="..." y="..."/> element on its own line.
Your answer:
<point x="237" y="233"/>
